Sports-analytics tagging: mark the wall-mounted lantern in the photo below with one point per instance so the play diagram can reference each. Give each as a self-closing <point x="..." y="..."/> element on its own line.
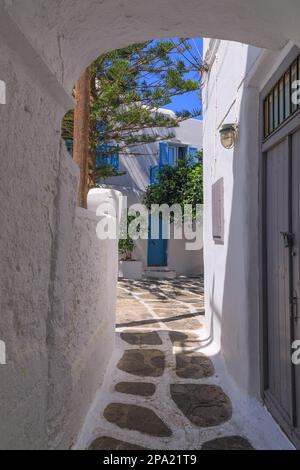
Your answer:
<point x="228" y="134"/>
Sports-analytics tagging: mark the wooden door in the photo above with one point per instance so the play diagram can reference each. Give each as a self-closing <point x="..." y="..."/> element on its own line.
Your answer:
<point x="282" y="235"/>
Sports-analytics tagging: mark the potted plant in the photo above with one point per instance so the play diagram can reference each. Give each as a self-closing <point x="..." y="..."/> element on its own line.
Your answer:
<point x="128" y="267"/>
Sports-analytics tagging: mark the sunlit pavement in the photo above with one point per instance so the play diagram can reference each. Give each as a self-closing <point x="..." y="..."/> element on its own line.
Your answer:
<point x="165" y="389"/>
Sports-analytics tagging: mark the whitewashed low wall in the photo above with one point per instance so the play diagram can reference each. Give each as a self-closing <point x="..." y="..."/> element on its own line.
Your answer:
<point x="60" y="338"/>
<point x="90" y="312"/>
<point x="81" y="332"/>
<point x="185" y="262"/>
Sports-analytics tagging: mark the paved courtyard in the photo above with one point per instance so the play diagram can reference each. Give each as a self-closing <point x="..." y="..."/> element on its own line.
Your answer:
<point x="160" y="392"/>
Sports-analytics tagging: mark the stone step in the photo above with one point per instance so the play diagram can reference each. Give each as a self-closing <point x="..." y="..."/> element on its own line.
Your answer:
<point x="159" y="273"/>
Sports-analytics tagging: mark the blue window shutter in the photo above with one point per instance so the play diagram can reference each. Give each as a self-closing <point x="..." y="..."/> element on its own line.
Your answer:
<point x="163" y="154"/>
<point x="153" y="173"/>
<point x="192" y="151"/>
<point x="69" y="145"/>
<point x="171" y="156"/>
<point x="115" y="161"/>
<point x="104" y="157"/>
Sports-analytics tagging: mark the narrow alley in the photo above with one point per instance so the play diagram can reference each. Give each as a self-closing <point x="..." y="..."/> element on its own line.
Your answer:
<point x="160" y="393"/>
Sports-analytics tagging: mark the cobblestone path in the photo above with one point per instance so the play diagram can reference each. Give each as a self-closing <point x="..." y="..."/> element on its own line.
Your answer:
<point x="162" y="393"/>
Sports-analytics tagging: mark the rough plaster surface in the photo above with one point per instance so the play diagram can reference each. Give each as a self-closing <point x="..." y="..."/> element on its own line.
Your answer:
<point x="86" y="342"/>
<point x="57" y="315"/>
<point x="29" y="186"/>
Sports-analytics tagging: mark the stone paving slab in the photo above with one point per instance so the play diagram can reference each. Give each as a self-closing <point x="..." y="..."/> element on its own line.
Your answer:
<point x="109" y="443"/>
<point x="143" y="363"/>
<point x="184" y="341"/>
<point x="165" y="315"/>
<point x="228" y="443"/>
<point x="193" y="366"/>
<point x="136" y="418"/>
<point x="143" y="389"/>
<point x="204" y="405"/>
<point x="150" y="338"/>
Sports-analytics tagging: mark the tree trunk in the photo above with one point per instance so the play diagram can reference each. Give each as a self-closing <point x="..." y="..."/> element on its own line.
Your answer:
<point x="82" y="132"/>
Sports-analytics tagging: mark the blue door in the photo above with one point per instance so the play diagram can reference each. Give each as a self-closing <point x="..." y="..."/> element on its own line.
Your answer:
<point x="157" y="246"/>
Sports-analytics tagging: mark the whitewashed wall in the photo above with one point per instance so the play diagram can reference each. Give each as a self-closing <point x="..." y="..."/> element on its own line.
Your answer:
<point x="58" y="281"/>
<point x="136" y="164"/>
<point x="137" y="178"/>
<point x="237" y="74"/>
<point x="89" y="325"/>
<point x="32" y="174"/>
<point x="231" y="297"/>
<point x="185" y="262"/>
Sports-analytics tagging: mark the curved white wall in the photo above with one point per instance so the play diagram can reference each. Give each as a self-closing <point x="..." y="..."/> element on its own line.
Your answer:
<point x="69" y="35"/>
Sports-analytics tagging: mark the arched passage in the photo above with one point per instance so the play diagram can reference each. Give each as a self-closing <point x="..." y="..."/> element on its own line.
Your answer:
<point x="70" y="35"/>
<point x="44" y="48"/>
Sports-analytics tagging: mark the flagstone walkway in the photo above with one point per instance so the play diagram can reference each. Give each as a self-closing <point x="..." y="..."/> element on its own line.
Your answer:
<point x="161" y="393"/>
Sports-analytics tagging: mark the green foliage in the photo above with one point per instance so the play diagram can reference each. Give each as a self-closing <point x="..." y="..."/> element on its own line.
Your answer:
<point x="126" y="248"/>
<point x="67" y="126"/>
<point x="126" y="244"/>
<point x="131" y="83"/>
<point x="182" y="184"/>
<point x="128" y="87"/>
<point x="106" y="171"/>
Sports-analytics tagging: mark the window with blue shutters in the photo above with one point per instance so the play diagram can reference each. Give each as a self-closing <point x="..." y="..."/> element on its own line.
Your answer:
<point x="172" y="156"/>
<point x="154" y="174"/>
<point x="182" y="153"/>
<point x="163" y="154"/>
<point x="104" y="157"/>
<point x="193" y="154"/>
<point x="168" y="154"/>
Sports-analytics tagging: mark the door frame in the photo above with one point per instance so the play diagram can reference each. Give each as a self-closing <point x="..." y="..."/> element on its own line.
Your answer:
<point x="164" y="242"/>
<point x="284" y="132"/>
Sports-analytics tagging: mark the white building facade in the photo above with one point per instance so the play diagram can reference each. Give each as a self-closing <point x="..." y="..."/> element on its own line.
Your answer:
<point x="252" y="273"/>
<point x="139" y="166"/>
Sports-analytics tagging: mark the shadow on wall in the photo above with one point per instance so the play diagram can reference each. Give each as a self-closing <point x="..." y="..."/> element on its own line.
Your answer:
<point x="136" y="167"/>
<point x="232" y="268"/>
<point x="240" y="303"/>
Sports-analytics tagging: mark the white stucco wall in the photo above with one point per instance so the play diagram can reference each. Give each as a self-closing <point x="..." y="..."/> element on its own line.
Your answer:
<point x="137" y="162"/>
<point x="57" y="30"/>
<point x="88" y="340"/>
<point x="31" y="169"/>
<point x="190" y="132"/>
<point x="232" y="277"/>
<point x="44" y="391"/>
<point x="185" y="262"/>
<point x="136" y="179"/>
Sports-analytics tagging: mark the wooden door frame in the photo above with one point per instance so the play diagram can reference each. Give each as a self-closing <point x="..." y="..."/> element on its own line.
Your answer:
<point x="283" y="133"/>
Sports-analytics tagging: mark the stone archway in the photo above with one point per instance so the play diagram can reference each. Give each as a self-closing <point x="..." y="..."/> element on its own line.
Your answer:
<point x="69" y="35"/>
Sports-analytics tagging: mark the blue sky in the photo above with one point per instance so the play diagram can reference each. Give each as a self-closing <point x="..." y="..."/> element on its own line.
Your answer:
<point x="189" y="101"/>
